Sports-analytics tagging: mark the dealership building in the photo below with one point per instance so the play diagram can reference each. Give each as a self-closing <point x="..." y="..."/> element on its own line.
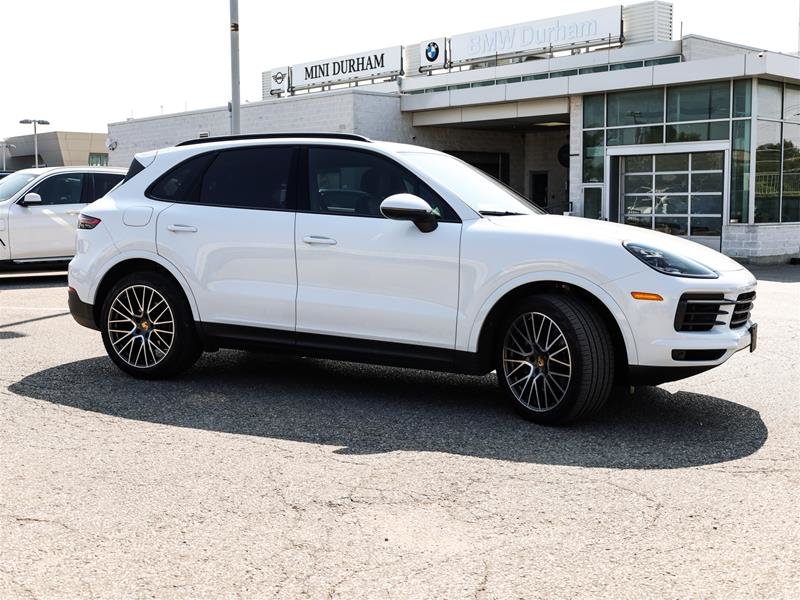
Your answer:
<point x="600" y="114"/>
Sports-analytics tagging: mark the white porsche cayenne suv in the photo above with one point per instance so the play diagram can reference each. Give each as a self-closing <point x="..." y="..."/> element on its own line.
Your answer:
<point x="39" y="211"/>
<point x="332" y="245"/>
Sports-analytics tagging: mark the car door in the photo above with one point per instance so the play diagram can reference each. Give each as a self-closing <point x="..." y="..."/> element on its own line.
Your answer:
<point x="47" y="230"/>
<point x="231" y="234"/>
<point x="361" y="275"/>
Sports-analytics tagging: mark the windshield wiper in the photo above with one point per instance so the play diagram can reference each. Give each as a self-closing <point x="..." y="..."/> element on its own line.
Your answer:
<point x="499" y="213"/>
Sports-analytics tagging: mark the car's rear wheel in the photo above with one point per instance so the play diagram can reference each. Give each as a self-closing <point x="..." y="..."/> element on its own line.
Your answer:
<point x="555" y="359"/>
<point x="147" y="327"/>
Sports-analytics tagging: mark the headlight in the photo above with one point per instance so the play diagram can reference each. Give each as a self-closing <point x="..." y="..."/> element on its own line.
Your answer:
<point x="669" y="263"/>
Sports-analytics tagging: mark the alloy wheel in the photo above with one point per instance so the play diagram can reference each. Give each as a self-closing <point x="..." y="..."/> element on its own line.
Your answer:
<point x="141" y="326"/>
<point x="537" y="363"/>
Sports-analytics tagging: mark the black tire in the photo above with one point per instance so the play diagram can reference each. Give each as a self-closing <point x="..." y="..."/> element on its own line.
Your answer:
<point x="585" y="344"/>
<point x="166" y="359"/>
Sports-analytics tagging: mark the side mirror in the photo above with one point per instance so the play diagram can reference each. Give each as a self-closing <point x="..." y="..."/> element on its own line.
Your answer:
<point x="31" y="198"/>
<point x="408" y="207"/>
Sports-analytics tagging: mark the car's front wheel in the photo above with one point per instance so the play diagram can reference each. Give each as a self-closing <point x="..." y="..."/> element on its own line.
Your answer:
<point x="147" y="327"/>
<point x="555" y="359"/>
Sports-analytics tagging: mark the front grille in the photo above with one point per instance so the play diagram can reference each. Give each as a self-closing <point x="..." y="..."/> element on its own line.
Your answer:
<point x="742" y="308"/>
<point x="701" y="312"/>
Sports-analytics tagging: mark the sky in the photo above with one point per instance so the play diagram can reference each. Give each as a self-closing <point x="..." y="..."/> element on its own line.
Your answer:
<point x="82" y="64"/>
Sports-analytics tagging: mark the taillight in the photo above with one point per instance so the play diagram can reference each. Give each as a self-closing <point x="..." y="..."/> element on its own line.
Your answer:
<point x="87" y="222"/>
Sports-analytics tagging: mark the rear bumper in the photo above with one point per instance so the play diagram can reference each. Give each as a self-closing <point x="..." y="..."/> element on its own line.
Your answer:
<point x="82" y="312"/>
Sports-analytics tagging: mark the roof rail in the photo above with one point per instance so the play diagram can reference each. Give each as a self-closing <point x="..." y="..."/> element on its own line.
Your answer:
<point x="257" y="136"/>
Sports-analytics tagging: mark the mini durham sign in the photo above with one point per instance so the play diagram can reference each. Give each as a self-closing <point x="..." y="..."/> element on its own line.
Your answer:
<point x="574" y="30"/>
<point x="364" y="65"/>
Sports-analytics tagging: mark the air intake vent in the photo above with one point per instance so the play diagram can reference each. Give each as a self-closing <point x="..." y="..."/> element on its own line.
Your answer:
<point x="741" y="311"/>
<point x="699" y="312"/>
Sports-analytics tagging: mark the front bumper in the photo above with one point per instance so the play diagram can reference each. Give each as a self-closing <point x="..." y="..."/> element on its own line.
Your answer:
<point x="82" y="312"/>
<point x="653" y="322"/>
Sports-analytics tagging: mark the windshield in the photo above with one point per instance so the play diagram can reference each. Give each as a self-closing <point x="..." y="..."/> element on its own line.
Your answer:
<point x="13" y="183"/>
<point x="482" y="193"/>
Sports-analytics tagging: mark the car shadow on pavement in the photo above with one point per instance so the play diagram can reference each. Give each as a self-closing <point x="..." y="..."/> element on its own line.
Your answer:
<point x="364" y="409"/>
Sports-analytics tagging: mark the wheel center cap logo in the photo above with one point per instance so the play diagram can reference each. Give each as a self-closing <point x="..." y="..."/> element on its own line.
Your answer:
<point x="432" y="51"/>
<point x="145" y="325"/>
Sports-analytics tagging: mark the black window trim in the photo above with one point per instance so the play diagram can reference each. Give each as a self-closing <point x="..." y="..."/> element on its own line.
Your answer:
<point x="291" y="192"/>
<point x="304" y="197"/>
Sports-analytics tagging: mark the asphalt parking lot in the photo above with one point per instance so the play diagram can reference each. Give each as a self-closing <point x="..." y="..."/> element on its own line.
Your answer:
<point x="257" y="475"/>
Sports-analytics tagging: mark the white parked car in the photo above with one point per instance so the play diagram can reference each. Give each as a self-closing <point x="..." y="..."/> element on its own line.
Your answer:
<point x="332" y="245"/>
<point x="39" y="210"/>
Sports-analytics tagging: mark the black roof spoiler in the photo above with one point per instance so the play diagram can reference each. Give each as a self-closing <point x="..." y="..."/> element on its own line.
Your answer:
<point x="267" y="136"/>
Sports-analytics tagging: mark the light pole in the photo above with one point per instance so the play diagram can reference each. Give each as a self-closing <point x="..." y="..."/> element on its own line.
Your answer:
<point x="235" y="129"/>
<point x="4" y="146"/>
<point x="35" y="136"/>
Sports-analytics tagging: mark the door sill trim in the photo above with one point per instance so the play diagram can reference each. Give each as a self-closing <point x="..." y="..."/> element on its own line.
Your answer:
<point x="220" y="335"/>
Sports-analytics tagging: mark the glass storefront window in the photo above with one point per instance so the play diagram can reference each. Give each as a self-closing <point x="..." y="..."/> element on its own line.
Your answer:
<point x="670" y="204"/>
<point x="742" y="97"/>
<point x="706" y="182"/>
<point x="635" y="108"/>
<point x="790" y="204"/>
<point x="768" y="171"/>
<point x="706" y="226"/>
<point x="672" y="183"/>
<point x="639" y="164"/>
<point x="698" y="102"/>
<point x="638" y="205"/>
<point x="770" y="99"/>
<point x="592" y="202"/>
<point x="635" y="135"/>
<point x="638" y="184"/>
<point x="698" y="132"/>
<point x="593" y="156"/>
<point x="594" y="111"/>
<point x="791" y="103"/>
<point x="672" y="162"/>
<point x="707" y="161"/>
<point x="661" y="61"/>
<point x="646" y="222"/>
<point x="707" y="205"/>
<point x="740" y="172"/>
<point x="628" y="65"/>
<point x="672" y="225"/>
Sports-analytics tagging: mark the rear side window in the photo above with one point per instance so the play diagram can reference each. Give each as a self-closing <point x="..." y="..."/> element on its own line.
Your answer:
<point x="180" y="183"/>
<point x="103" y="183"/>
<point x="256" y="177"/>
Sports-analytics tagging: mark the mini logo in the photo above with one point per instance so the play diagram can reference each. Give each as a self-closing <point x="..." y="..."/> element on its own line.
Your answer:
<point x="432" y="52"/>
<point x="279" y="77"/>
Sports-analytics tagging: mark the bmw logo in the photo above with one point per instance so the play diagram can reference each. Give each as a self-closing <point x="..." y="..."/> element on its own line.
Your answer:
<point x="432" y="52"/>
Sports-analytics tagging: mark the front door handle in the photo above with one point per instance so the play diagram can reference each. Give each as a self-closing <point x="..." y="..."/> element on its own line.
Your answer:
<point x="318" y="239"/>
<point x="182" y="228"/>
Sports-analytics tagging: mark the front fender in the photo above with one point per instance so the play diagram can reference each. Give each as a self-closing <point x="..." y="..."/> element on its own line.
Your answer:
<point x="469" y="334"/>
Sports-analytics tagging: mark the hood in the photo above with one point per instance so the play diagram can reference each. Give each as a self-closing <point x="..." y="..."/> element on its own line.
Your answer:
<point x="605" y="231"/>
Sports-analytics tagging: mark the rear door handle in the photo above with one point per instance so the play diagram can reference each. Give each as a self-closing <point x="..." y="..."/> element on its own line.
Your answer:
<point x="73" y="212"/>
<point x="318" y="239"/>
<point x="182" y="228"/>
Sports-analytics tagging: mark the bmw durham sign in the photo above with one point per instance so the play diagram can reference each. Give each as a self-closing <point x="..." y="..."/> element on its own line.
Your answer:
<point x="433" y="54"/>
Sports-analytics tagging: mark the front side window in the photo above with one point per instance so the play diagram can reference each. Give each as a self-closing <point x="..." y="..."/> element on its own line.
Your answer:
<point x="64" y="188"/>
<point x="352" y="182"/>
